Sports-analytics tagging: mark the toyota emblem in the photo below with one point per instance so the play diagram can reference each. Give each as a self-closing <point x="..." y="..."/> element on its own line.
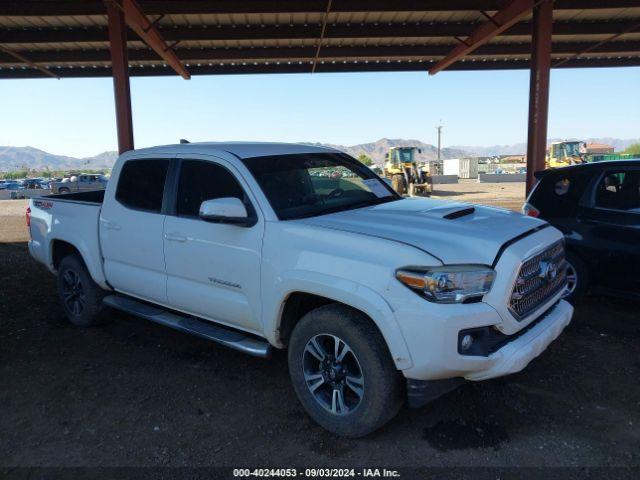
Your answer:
<point x="548" y="271"/>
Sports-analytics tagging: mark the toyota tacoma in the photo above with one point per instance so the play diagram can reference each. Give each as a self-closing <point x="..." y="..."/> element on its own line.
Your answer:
<point x="379" y="299"/>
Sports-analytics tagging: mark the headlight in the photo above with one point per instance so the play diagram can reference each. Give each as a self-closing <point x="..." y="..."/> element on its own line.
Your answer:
<point x="449" y="284"/>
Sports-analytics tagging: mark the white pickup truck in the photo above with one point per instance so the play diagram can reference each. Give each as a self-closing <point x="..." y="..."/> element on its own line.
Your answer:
<point x="378" y="298"/>
<point x="81" y="182"/>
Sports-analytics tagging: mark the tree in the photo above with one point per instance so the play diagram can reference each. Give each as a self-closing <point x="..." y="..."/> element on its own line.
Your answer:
<point x="633" y="149"/>
<point x="364" y="159"/>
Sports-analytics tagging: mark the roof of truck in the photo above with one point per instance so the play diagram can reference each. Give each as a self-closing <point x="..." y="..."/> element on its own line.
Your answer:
<point x="239" y="149"/>
<point x="632" y="162"/>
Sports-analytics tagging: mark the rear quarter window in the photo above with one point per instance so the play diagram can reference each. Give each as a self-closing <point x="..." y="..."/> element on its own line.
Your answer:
<point x="558" y="195"/>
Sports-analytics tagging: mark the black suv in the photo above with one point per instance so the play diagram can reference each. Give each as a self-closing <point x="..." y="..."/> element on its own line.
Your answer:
<point x="597" y="208"/>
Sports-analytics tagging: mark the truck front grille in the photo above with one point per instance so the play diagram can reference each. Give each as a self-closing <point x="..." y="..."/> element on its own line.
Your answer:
<point x="540" y="278"/>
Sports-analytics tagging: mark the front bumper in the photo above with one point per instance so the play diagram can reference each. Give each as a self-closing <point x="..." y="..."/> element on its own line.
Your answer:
<point x="517" y="354"/>
<point x="434" y="349"/>
<point x="511" y="358"/>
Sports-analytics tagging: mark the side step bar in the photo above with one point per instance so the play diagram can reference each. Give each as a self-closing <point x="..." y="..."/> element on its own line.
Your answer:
<point x="225" y="336"/>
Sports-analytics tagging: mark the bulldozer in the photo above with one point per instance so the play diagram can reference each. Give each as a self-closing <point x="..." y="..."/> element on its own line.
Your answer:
<point x="562" y="154"/>
<point x="407" y="177"/>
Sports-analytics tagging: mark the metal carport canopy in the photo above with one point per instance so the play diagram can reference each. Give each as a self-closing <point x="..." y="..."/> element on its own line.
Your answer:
<point x="66" y="38"/>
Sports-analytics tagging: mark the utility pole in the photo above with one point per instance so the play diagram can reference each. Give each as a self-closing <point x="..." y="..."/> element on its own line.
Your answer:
<point x="439" y="128"/>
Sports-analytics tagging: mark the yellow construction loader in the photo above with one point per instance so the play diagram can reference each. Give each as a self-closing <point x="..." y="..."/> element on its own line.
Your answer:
<point x="562" y="154"/>
<point x="407" y="177"/>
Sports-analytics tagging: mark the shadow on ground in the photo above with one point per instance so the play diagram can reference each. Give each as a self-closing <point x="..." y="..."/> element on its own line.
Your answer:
<point x="134" y="393"/>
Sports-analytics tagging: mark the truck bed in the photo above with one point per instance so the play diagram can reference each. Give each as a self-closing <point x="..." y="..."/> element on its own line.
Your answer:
<point x="91" y="196"/>
<point x="71" y="218"/>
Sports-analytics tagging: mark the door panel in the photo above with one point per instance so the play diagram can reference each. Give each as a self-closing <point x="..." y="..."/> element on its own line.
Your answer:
<point x="133" y="252"/>
<point x="213" y="269"/>
<point x="131" y="229"/>
<point x="614" y="237"/>
<point x="611" y="230"/>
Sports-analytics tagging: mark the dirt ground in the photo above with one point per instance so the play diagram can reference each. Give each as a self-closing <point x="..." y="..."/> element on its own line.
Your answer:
<point x="506" y="195"/>
<point x="132" y="393"/>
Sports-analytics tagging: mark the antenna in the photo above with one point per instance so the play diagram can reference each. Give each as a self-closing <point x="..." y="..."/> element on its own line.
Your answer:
<point x="184" y="140"/>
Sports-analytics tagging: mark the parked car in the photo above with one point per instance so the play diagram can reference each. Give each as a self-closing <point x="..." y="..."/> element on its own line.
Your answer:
<point x="377" y="298"/>
<point x="11" y="185"/>
<point x="597" y="208"/>
<point x="34" y="184"/>
<point x="79" y="183"/>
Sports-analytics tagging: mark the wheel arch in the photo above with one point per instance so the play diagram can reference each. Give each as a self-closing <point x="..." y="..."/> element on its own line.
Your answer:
<point x="305" y="295"/>
<point x="60" y="247"/>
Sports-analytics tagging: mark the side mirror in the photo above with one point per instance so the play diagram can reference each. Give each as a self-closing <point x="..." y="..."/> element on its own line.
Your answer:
<point x="226" y="210"/>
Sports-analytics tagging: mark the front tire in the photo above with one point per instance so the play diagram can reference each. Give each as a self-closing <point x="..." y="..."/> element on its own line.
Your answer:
<point x="398" y="184"/>
<point x="577" y="279"/>
<point x="80" y="296"/>
<point x="342" y="371"/>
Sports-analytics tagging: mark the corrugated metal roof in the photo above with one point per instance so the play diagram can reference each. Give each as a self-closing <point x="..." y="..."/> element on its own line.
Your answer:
<point x="273" y="37"/>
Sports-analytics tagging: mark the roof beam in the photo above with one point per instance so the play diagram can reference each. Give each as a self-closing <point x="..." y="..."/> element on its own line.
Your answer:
<point x="321" y="39"/>
<point x="157" y="7"/>
<point x="149" y="33"/>
<point x="598" y="45"/>
<point x="511" y="14"/>
<point x="25" y="60"/>
<point x="303" y="67"/>
<point x="311" y="31"/>
<point x="49" y="57"/>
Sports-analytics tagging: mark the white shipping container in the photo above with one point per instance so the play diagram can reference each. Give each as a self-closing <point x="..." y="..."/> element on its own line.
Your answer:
<point x="462" y="167"/>
<point x="451" y="166"/>
<point x="468" y="168"/>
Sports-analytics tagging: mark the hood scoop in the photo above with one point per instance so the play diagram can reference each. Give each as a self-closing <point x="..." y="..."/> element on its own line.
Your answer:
<point x="450" y="211"/>
<point x="459" y="213"/>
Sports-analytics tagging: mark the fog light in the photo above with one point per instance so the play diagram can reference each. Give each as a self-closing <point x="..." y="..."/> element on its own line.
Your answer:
<point x="466" y="342"/>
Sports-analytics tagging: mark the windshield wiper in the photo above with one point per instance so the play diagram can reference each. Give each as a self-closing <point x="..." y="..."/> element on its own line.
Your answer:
<point x="372" y="202"/>
<point x="352" y="206"/>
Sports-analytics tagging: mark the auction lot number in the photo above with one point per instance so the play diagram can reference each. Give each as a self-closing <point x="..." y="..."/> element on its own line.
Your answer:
<point x="315" y="472"/>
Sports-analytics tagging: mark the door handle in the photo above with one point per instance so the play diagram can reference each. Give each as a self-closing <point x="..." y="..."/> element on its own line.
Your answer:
<point x="110" y="225"/>
<point x="175" y="237"/>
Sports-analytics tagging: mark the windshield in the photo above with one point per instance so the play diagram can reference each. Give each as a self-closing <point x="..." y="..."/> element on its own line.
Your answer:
<point x="405" y="155"/>
<point x="311" y="184"/>
<point x="572" y="149"/>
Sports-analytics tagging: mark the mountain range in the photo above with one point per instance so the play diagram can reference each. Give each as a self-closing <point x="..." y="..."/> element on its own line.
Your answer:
<point x="17" y="158"/>
<point x="521" y="148"/>
<point x="377" y="150"/>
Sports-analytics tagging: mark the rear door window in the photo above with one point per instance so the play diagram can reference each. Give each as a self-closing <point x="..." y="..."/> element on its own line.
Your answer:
<point x="558" y="195"/>
<point x="141" y="184"/>
<point x="619" y="190"/>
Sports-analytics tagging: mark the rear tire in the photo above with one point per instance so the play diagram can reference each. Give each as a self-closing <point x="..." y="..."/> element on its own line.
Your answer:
<point x="80" y="296"/>
<point x="64" y="190"/>
<point x="364" y="391"/>
<point x="398" y="184"/>
<point x="577" y="279"/>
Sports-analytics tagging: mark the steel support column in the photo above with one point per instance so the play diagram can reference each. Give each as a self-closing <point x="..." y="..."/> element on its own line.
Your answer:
<point x="539" y="89"/>
<point x="120" y="71"/>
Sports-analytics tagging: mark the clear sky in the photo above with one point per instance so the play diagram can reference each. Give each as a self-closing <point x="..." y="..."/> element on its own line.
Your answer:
<point x="76" y="116"/>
